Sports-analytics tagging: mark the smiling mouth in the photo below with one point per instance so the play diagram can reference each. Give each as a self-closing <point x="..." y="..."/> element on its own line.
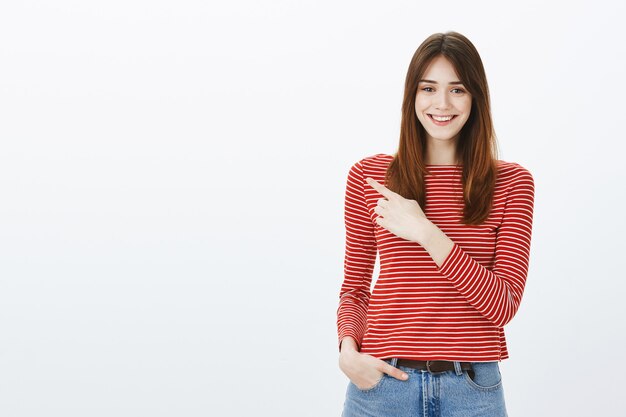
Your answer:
<point x="442" y="118"/>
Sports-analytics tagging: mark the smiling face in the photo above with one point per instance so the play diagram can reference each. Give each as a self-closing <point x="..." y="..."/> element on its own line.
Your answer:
<point x="440" y="95"/>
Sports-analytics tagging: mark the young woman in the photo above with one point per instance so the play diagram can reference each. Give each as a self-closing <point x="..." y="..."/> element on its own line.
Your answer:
<point x="452" y="225"/>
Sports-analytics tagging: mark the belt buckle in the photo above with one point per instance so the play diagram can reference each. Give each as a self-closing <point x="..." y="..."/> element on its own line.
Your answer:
<point x="428" y="363"/>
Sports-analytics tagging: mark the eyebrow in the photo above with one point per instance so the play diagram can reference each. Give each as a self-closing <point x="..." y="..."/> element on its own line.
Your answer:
<point x="435" y="82"/>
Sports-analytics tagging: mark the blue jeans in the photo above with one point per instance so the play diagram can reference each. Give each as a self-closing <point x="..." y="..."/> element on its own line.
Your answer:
<point x="426" y="394"/>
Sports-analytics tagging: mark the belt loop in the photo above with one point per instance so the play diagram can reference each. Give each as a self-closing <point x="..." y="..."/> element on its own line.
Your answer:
<point x="457" y="368"/>
<point x="394" y="361"/>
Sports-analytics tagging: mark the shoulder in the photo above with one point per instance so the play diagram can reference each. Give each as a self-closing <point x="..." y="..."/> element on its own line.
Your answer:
<point x="515" y="180"/>
<point x="378" y="161"/>
<point x="512" y="172"/>
<point x="371" y="165"/>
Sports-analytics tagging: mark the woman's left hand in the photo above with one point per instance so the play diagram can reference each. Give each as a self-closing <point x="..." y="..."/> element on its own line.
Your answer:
<point x="401" y="216"/>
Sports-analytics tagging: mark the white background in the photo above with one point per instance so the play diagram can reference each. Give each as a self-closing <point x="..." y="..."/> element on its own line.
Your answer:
<point x="172" y="177"/>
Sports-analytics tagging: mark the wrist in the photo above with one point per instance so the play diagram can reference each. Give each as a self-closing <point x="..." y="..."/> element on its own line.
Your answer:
<point x="348" y="343"/>
<point x="428" y="230"/>
<point x="437" y="244"/>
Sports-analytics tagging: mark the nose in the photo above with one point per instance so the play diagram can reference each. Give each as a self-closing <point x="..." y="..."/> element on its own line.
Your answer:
<point x="442" y="101"/>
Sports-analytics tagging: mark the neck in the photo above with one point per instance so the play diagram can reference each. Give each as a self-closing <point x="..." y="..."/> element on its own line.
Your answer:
<point x="441" y="153"/>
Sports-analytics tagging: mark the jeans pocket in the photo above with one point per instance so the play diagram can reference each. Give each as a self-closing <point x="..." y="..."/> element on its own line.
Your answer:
<point x="484" y="376"/>
<point x="373" y="387"/>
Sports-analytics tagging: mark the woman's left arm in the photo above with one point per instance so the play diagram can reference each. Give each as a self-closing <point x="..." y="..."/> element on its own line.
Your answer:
<point x="495" y="293"/>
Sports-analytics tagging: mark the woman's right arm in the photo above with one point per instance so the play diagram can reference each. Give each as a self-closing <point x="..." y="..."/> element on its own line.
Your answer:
<point x="360" y="256"/>
<point x="361" y="250"/>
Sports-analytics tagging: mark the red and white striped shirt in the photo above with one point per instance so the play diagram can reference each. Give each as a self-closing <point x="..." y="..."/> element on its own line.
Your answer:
<point x="416" y="309"/>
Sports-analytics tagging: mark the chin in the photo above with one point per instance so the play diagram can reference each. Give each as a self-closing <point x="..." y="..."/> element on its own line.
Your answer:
<point x="447" y="137"/>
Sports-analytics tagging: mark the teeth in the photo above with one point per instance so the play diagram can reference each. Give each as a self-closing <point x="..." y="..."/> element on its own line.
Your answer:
<point x="441" y="119"/>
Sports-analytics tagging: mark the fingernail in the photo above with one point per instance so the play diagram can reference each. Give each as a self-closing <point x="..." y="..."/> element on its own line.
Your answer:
<point x="405" y="376"/>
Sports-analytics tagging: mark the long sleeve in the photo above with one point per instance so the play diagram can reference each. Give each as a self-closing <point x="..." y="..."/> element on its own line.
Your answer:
<point x="360" y="258"/>
<point x="497" y="293"/>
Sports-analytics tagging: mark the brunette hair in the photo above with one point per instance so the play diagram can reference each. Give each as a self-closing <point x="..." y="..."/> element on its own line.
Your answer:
<point x="476" y="148"/>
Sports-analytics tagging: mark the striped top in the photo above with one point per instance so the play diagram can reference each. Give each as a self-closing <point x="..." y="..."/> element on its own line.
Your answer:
<point x="416" y="309"/>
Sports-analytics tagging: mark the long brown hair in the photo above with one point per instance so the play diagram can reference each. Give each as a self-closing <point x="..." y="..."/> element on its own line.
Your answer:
<point x="476" y="148"/>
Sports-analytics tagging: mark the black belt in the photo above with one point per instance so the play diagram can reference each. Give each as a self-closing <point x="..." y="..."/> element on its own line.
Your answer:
<point x="432" y="366"/>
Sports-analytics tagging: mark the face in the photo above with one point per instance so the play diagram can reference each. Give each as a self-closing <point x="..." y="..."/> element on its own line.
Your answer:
<point x="442" y="94"/>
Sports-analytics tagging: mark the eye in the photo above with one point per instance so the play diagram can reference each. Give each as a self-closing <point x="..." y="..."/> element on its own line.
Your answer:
<point x="459" y="89"/>
<point x="426" y="89"/>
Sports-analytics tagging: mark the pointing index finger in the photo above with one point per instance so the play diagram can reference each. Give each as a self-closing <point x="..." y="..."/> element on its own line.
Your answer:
<point x="386" y="192"/>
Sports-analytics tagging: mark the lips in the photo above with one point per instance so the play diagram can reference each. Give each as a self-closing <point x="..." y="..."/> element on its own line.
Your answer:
<point x="441" y="123"/>
<point x="447" y="115"/>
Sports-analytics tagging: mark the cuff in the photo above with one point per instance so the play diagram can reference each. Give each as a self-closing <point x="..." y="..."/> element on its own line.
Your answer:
<point x="452" y="260"/>
<point x="354" y="336"/>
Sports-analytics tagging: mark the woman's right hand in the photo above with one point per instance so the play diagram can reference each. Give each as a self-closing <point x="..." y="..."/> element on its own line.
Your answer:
<point x="365" y="370"/>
